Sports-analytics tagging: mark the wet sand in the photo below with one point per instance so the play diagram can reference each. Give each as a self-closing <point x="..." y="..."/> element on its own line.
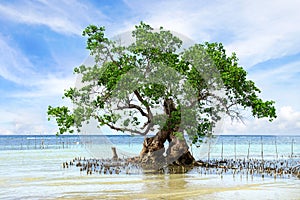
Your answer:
<point x="38" y="174"/>
<point x="185" y="187"/>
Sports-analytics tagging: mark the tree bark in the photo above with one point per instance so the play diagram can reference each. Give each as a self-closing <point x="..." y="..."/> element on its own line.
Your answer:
<point x="178" y="152"/>
<point x="154" y="154"/>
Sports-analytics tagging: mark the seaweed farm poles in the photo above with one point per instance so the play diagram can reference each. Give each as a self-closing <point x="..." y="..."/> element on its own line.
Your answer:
<point x="262" y="154"/>
<point x="208" y="153"/>
<point x="234" y="150"/>
<point x="222" y="152"/>
<point x="262" y="148"/>
<point x="292" y="148"/>
<point x="248" y="151"/>
<point x="276" y="149"/>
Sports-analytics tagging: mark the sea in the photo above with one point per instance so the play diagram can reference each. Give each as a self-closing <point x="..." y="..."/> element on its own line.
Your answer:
<point x="31" y="167"/>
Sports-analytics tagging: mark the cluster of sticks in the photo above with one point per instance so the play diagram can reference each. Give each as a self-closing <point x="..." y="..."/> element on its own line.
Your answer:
<point x="251" y="167"/>
<point x="242" y="167"/>
<point x="104" y="166"/>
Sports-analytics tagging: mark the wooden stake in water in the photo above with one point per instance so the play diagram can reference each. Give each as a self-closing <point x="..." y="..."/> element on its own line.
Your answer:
<point x="234" y="150"/>
<point x="262" y="153"/>
<point x="292" y="149"/>
<point x="248" y="151"/>
<point x="208" y="153"/>
<point x="262" y="149"/>
<point x="34" y="142"/>
<point x="276" y="148"/>
<point x="222" y="152"/>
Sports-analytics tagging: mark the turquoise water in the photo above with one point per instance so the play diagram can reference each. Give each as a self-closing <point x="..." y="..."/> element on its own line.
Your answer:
<point x="35" y="171"/>
<point x="268" y="147"/>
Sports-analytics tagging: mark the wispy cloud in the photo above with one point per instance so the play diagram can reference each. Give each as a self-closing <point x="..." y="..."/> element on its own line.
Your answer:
<point x="25" y="120"/>
<point x="279" y="82"/>
<point x="48" y="87"/>
<point x="13" y="64"/>
<point x="17" y="68"/>
<point x="284" y="72"/>
<point x="36" y="86"/>
<point x="256" y="30"/>
<point x="24" y="110"/>
<point x="287" y="122"/>
<point x="63" y="16"/>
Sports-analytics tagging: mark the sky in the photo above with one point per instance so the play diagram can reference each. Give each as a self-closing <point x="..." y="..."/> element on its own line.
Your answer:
<point x="41" y="43"/>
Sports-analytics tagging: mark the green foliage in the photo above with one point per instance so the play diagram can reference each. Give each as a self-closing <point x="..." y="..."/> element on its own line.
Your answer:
<point x="64" y="118"/>
<point x="127" y="87"/>
<point x="95" y="37"/>
<point x="179" y="135"/>
<point x="238" y="88"/>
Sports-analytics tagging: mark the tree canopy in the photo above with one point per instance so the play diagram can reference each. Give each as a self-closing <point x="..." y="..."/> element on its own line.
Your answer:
<point x="153" y="84"/>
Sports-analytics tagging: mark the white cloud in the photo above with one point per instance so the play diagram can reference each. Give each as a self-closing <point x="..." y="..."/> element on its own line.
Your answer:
<point x="288" y="115"/>
<point x="279" y="83"/>
<point x="5" y="131"/>
<point x="256" y="30"/>
<point x="24" y="120"/>
<point x="50" y="86"/>
<point x="287" y="122"/>
<point x="63" y="16"/>
<point x="16" y="67"/>
<point x="13" y="64"/>
<point x="26" y="107"/>
<point x="26" y="111"/>
<point x="281" y="73"/>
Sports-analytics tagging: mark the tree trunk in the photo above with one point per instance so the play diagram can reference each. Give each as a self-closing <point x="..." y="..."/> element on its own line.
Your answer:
<point x="153" y="154"/>
<point x="178" y="152"/>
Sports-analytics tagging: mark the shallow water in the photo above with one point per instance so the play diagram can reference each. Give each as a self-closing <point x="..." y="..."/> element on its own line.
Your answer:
<point x="38" y="174"/>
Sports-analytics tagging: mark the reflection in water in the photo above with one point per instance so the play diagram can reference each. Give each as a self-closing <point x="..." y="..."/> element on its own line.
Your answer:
<point x="163" y="185"/>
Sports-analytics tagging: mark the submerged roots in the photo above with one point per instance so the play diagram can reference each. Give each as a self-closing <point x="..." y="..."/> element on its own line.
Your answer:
<point x="247" y="168"/>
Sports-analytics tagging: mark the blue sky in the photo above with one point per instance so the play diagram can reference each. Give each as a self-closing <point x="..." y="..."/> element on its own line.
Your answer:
<point x="41" y="43"/>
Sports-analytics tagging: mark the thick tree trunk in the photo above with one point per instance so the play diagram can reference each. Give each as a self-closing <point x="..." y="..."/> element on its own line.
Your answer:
<point x="178" y="152"/>
<point x="154" y="155"/>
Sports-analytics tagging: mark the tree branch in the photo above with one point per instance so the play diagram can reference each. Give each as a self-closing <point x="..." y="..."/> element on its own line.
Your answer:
<point x="201" y="96"/>
<point x="133" y="106"/>
<point x="150" y="125"/>
<point x="140" y="98"/>
<point x="232" y="113"/>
